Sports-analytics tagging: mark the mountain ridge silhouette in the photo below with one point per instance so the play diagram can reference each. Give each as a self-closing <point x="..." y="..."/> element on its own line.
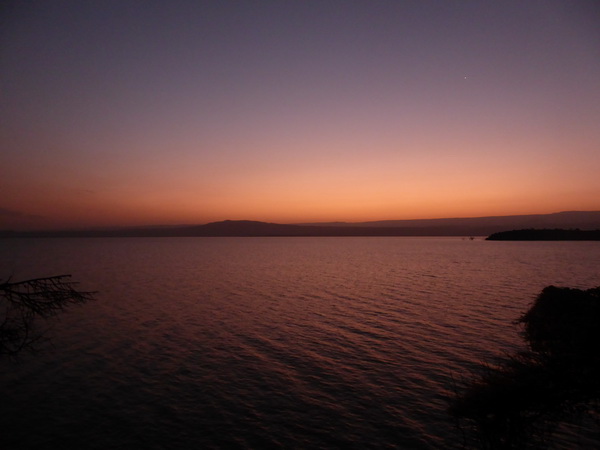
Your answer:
<point x="474" y="226"/>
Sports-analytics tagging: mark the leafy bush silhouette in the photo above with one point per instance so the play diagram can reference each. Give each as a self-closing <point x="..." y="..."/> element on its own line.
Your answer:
<point x="519" y="402"/>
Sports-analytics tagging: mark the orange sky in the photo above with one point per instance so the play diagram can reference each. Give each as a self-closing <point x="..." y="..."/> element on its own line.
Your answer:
<point x="181" y="114"/>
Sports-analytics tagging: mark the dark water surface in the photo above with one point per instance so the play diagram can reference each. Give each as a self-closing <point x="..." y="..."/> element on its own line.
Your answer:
<point x="269" y="342"/>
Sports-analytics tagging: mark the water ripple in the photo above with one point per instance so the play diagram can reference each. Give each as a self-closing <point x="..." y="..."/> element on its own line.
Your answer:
<point x="271" y="343"/>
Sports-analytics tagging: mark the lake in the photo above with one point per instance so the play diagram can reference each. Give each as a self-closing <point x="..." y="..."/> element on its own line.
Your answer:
<point x="348" y="342"/>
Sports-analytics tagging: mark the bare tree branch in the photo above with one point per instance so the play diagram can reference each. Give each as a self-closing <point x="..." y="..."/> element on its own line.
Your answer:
<point x="22" y="302"/>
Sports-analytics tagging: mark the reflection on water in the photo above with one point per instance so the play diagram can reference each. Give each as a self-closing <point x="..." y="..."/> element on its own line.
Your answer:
<point x="270" y="342"/>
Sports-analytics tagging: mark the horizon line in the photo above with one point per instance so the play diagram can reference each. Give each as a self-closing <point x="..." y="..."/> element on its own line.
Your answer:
<point x="308" y="224"/>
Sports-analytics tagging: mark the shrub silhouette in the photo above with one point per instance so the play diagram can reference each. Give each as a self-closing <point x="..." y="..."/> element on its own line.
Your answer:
<point x="564" y="323"/>
<point x="520" y="401"/>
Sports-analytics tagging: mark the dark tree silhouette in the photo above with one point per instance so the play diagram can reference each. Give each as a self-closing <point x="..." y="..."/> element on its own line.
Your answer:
<point x="24" y="301"/>
<point x="519" y="402"/>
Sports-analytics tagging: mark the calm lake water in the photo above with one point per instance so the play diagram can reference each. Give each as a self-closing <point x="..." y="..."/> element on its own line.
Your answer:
<point x="269" y="342"/>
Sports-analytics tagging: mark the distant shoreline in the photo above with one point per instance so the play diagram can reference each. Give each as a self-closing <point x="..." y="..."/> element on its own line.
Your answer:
<point x="556" y="234"/>
<point x="460" y="227"/>
<point x="262" y="230"/>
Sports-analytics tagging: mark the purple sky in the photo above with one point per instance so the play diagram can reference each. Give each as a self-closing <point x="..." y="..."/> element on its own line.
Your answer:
<point x="147" y="112"/>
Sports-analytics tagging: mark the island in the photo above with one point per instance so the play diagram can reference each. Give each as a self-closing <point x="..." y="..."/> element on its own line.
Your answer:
<point x="557" y="234"/>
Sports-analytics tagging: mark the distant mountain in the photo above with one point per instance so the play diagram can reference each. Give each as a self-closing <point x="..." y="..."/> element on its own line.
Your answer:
<point x="483" y="226"/>
<point x="478" y="226"/>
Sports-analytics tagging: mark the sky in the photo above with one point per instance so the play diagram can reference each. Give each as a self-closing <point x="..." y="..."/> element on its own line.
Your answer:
<point x="119" y="113"/>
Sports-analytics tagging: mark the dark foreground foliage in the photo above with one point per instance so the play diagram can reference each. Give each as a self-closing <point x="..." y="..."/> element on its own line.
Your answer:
<point x="519" y="402"/>
<point x="22" y="302"/>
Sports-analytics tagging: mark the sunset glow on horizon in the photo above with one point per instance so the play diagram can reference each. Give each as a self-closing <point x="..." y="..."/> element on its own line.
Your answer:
<point x="183" y="112"/>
